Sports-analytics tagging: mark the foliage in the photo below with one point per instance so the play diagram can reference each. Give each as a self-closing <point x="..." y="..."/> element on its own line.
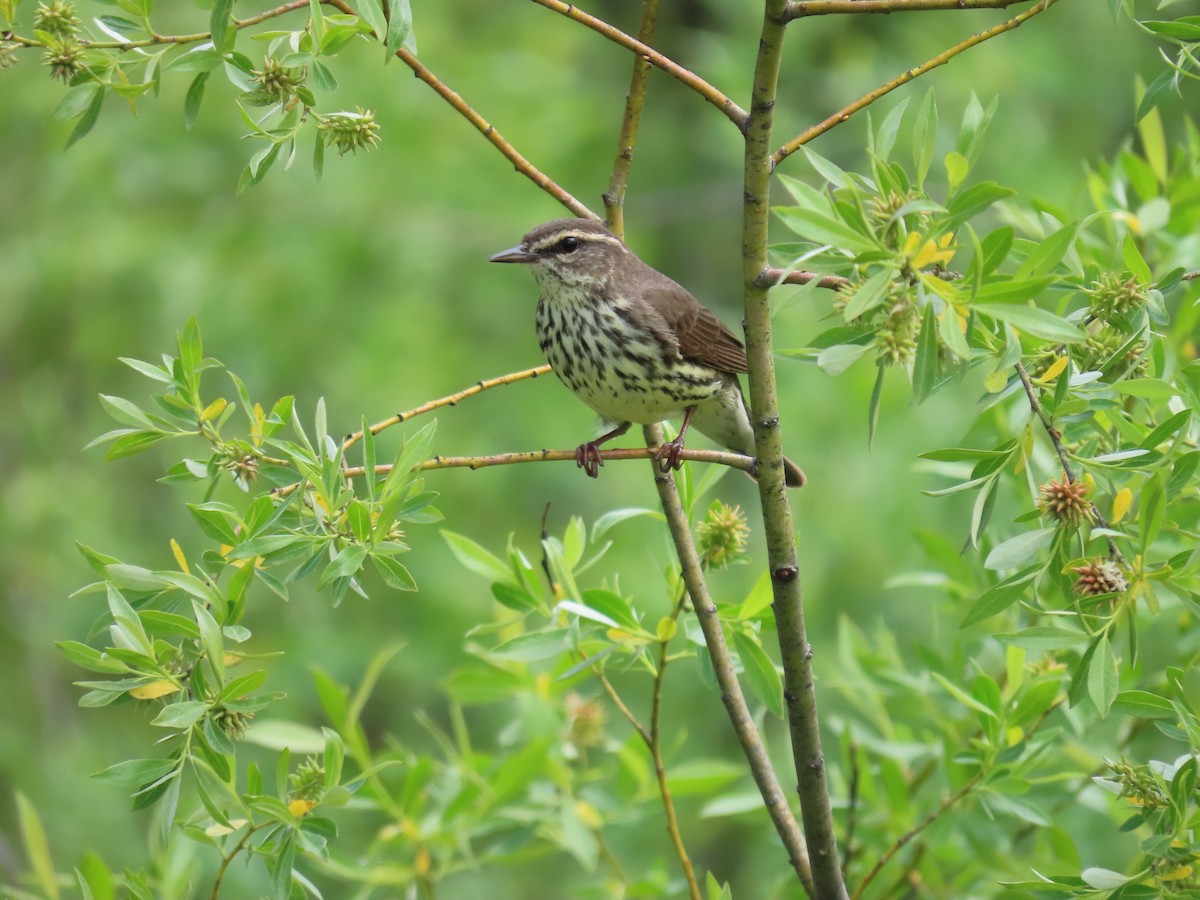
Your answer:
<point x="1076" y="331"/>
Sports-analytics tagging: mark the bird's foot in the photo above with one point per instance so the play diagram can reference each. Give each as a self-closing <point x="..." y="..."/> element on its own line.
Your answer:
<point x="587" y="457"/>
<point x="670" y="455"/>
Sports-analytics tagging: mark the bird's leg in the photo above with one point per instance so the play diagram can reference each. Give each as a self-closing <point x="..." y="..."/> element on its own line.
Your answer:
<point x="669" y="454"/>
<point x="587" y="456"/>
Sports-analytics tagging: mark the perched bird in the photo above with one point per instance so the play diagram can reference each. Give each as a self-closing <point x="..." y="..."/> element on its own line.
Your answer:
<point x="632" y="344"/>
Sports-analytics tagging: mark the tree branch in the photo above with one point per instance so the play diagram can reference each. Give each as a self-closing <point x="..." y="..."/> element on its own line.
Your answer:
<point x="1056" y="439"/>
<point x="771" y="277"/>
<point x="655" y="745"/>
<point x="788" y="605"/>
<point x="450" y="400"/>
<point x="720" y="457"/>
<point x="941" y="59"/>
<point x="731" y="110"/>
<point x="731" y="691"/>
<point x="799" y="8"/>
<point x="618" y="182"/>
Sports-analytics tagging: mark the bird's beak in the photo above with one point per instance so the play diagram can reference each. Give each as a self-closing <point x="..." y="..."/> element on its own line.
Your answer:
<point x="513" y="255"/>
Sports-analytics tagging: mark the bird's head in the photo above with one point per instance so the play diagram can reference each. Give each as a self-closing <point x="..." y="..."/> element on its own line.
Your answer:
<point x="578" y="252"/>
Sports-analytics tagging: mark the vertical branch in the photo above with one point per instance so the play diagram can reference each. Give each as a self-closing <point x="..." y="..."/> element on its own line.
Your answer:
<point x="614" y="197"/>
<point x="788" y="605"/>
<point x="731" y="691"/>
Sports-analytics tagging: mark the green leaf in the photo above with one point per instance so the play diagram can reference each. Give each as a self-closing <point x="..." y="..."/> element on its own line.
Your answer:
<point x="181" y="715"/>
<point x="962" y="696"/>
<point x="975" y="123"/>
<point x="191" y="349"/>
<point x="1044" y="637"/>
<point x="1012" y="290"/>
<point x="211" y="640"/>
<point x="127" y="625"/>
<point x="399" y="31"/>
<point x="1166" y="83"/>
<point x="1000" y="596"/>
<point x="925" y="364"/>
<point x="1049" y="253"/>
<point x="345" y="565"/>
<point x="972" y="201"/>
<point x="201" y="60"/>
<point x="870" y="294"/>
<point x="532" y="647"/>
<point x="873" y="408"/>
<point x="371" y="12"/>
<point x="824" y="229"/>
<point x="193" y="99"/>
<point x="394" y="575"/>
<point x="1018" y="550"/>
<point x="612" y="605"/>
<point x="1037" y="322"/>
<point x="837" y="359"/>
<point x="885" y="139"/>
<point x="219" y="22"/>
<point x="478" y="559"/>
<point x="925" y="136"/>
<point x="1102" y="680"/>
<point x="761" y="673"/>
<point x="91" y="659"/>
<point x="76" y="100"/>
<point x="37" y="848"/>
<point x="88" y="119"/>
<point x="1144" y="705"/>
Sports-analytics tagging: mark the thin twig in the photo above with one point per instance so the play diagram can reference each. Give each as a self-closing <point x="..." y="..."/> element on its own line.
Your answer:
<point x="719" y="457"/>
<point x="771" y="277"/>
<point x="660" y="769"/>
<point x="449" y="400"/>
<point x="800" y="8"/>
<point x="731" y="691"/>
<point x="852" y="808"/>
<point x="159" y="39"/>
<point x="1190" y="276"/>
<point x="732" y="111"/>
<point x="901" y="841"/>
<point x="226" y="860"/>
<point x="618" y="182"/>
<point x="624" y="710"/>
<point x="867" y="99"/>
<point x="788" y="606"/>
<point x="1063" y="457"/>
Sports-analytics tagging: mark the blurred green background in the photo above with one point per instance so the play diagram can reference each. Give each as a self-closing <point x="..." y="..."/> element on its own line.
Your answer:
<point x="370" y="288"/>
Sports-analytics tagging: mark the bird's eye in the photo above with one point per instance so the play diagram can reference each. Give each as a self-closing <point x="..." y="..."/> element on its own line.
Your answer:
<point x="568" y="245"/>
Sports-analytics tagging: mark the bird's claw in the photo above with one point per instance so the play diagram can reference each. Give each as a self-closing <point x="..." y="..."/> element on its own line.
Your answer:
<point x="587" y="457"/>
<point x="670" y="455"/>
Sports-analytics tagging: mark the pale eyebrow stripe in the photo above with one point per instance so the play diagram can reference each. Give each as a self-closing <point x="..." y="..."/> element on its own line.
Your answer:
<point x="581" y="235"/>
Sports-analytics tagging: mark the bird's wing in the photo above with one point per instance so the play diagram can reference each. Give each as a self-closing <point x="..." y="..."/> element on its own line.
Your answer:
<point x="700" y="334"/>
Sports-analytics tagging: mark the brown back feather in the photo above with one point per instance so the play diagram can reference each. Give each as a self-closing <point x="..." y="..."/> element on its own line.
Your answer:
<point x="701" y="335"/>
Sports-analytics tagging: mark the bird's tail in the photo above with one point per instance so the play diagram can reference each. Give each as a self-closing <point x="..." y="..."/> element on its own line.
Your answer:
<point x="726" y="419"/>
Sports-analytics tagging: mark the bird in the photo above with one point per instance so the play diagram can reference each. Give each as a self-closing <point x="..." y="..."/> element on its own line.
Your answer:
<point x="633" y="344"/>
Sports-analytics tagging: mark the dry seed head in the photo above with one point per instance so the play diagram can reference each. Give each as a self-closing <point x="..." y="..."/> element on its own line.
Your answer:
<point x="64" y="56"/>
<point x="585" y="720"/>
<point x="8" y="54"/>
<point x="56" y="17"/>
<point x="1098" y="577"/>
<point x="277" y="81"/>
<point x="308" y="781"/>
<point x="349" y="131"/>
<point x="1112" y="297"/>
<point x="721" y="537"/>
<point x="232" y="722"/>
<point x="1066" y="501"/>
